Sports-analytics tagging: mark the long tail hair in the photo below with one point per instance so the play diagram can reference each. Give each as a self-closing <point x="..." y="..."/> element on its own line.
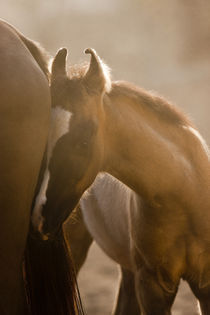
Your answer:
<point x="50" y="281"/>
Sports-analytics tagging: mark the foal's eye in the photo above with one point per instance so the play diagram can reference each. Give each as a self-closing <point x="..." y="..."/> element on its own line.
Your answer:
<point x="82" y="145"/>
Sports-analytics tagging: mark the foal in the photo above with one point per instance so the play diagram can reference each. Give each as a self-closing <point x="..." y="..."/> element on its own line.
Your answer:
<point x="151" y="147"/>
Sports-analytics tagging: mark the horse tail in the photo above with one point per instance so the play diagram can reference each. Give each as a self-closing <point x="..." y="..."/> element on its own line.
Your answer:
<point x="50" y="281"/>
<point x="39" y="53"/>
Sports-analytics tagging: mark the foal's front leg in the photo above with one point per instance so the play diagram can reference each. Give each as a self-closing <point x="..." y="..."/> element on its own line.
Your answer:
<point x="127" y="302"/>
<point x="153" y="298"/>
<point x="78" y="238"/>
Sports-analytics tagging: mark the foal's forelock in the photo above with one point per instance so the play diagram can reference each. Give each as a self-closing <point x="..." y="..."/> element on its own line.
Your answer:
<point x="78" y="71"/>
<point x="60" y="122"/>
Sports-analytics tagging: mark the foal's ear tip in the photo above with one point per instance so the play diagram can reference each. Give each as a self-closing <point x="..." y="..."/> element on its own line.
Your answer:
<point x="90" y="51"/>
<point x="59" y="62"/>
<point x="62" y="52"/>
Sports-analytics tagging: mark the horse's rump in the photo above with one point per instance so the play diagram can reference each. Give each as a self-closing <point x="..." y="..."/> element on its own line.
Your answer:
<point x="24" y="116"/>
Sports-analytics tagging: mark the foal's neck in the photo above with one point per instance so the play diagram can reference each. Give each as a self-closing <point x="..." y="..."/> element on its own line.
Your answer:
<point x="150" y="153"/>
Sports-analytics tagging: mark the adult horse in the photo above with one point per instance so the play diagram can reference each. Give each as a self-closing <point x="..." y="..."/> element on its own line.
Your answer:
<point x="24" y="117"/>
<point x="149" y="145"/>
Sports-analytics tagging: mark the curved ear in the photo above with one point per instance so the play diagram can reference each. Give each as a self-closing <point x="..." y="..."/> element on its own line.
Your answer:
<point x="97" y="77"/>
<point x="59" y="63"/>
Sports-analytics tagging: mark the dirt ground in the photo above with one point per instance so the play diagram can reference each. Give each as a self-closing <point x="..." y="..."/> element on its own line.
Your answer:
<point x="98" y="282"/>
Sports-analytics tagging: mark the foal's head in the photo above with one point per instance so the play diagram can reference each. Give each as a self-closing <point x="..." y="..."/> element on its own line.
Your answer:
<point x="75" y="146"/>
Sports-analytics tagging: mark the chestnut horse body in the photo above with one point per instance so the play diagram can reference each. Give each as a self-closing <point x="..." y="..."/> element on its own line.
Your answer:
<point x="150" y="146"/>
<point x="32" y="278"/>
<point x="24" y="117"/>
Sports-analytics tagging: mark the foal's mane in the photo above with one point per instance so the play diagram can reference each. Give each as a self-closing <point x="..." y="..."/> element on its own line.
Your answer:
<point x="151" y="101"/>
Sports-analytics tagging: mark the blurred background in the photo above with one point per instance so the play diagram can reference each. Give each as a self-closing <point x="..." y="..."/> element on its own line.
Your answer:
<point x="160" y="45"/>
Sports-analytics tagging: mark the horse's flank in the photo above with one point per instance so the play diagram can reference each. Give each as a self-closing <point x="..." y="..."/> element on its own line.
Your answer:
<point x="24" y="115"/>
<point x="40" y="55"/>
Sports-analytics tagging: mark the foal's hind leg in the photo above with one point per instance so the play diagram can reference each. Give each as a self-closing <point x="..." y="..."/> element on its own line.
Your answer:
<point x="153" y="298"/>
<point x="126" y="301"/>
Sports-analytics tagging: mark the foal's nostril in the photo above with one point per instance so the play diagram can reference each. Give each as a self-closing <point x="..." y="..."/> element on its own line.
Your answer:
<point x="39" y="235"/>
<point x="45" y="237"/>
<point x="50" y="231"/>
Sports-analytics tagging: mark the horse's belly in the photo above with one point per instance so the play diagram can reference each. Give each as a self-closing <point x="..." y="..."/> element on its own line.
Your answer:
<point x="105" y="211"/>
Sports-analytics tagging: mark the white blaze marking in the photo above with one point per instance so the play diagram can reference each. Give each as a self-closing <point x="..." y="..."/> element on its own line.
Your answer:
<point x="60" y="119"/>
<point x="59" y="126"/>
<point x="37" y="218"/>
